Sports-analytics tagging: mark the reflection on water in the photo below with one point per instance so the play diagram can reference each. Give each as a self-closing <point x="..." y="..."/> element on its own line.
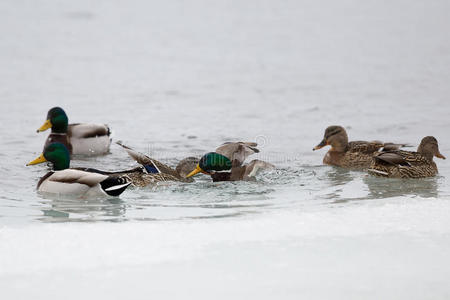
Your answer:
<point x="61" y="209"/>
<point x="340" y="185"/>
<point x="338" y="176"/>
<point x="394" y="187"/>
<point x="203" y="199"/>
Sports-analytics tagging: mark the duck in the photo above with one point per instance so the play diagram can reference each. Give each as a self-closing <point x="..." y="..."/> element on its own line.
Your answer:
<point x="152" y="171"/>
<point x="79" y="138"/>
<point x="83" y="182"/>
<point x="227" y="162"/>
<point x="408" y="164"/>
<point x="352" y="155"/>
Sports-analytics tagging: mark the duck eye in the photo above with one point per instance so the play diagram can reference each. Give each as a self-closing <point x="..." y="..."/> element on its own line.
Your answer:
<point x="332" y="133"/>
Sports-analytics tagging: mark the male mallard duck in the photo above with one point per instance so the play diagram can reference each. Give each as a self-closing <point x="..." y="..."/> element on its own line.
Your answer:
<point x="357" y="154"/>
<point x="406" y="164"/>
<point x="230" y="157"/>
<point x="71" y="181"/>
<point x="85" y="139"/>
<point x="153" y="171"/>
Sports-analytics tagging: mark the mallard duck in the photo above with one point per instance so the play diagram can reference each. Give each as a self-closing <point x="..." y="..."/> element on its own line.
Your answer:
<point x="64" y="180"/>
<point x="226" y="163"/>
<point x="357" y="154"/>
<point x="407" y="164"/>
<point x="83" y="139"/>
<point x="153" y="171"/>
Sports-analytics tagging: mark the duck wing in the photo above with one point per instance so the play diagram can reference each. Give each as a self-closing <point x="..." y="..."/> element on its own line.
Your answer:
<point x="77" y="176"/>
<point x="373" y="146"/>
<point x="83" y="130"/>
<point x="151" y="165"/>
<point x="109" y="173"/>
<point x="365" y="147"/>
<point x="395" y="158"/>
<point x="255" y="166"/>
<point x="237" y="151"/>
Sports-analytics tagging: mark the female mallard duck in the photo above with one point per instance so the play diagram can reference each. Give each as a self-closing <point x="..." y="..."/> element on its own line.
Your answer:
<point x="153" y="171"/>
<point x="79" y="182"/>
<point x="357" y="154"/>
<point x="226" y="163"/>
<point x="84" y="139"/>
<point x="406" y="164"/>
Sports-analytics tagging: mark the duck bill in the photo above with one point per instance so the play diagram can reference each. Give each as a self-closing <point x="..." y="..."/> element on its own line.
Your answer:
<point x="439" y="155"/>
<point x="38" y="160"/>
<point x="196" y="171"/>
<point x="322" y="144"/>
<point x="47" y="124"/>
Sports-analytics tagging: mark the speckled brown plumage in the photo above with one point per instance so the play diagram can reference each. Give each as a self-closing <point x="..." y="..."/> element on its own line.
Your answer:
<point x="140" y="177"/>
<point x="356" y="154"/>
<point x="407" y="164"/>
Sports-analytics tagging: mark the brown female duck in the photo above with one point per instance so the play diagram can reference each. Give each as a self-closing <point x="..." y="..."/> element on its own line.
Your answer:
<point x="356" y="154"/>
<point x="406" y="164"/>
<point x="152" y="171"/>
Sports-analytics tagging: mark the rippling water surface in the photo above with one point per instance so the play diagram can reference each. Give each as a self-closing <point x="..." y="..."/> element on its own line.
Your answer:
<point x="177" y="79"/>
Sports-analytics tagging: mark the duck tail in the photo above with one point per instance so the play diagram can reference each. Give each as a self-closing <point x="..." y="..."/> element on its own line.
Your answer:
<point x="137" y="156"/>
<point x="114" y="186"/>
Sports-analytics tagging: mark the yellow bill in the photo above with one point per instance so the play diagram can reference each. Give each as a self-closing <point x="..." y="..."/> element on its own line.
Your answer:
<point x="197" y="170"/>
<point x="38" y="160"/>
<point x="47" y="124"/>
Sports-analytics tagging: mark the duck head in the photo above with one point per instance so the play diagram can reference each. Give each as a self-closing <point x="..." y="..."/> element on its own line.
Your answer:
<point x="56" y="120"/>
<point x="210" y="163"/>
<point x="429" y="148"/>
<point x="186" y="166"/>
<point x="336" y="137"/>
<point x="57" y="154"/>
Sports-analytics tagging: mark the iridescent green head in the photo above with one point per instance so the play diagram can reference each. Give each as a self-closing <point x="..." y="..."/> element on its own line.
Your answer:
<point x="56" y="120"/>
<point x="55" y="153"/>
<point x="212" y="162"/>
